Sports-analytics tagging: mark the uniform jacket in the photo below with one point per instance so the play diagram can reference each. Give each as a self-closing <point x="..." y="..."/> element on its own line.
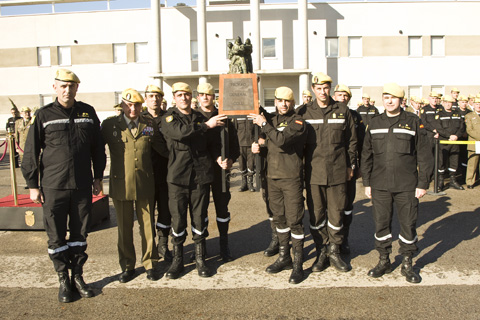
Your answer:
<point x="11" y="123"/>
<point x="62" y="144"/>
<point x="427" y="114"/>
<point x="131" y="169"/>
<point x="285" y="140"/>
<point x="393" y="152"/>
<point x="160" y="163"/>
<point x="449" y="123"/>
<point x="21" y="131"/>
<point x="411" y="110"/>
<point x="367" y="113"/>
<point x="360" y="129"/>
<point x="331" y="142"/>
<point x="192" y="147"/>
<point x="472" y="121"/>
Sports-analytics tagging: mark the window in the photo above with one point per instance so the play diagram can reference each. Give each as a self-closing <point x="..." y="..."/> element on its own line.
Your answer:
<point x="331" y="47"/>
<point x="269" y="97"/>
<point x="120" y="53"/>
<point x="414" y="91"/>
<point x="354" y="46"/>
<point x="438" y="89"/>
<point x="415" y="46"/>
<point x="64" y="56"/>
<point x="141" y="52"/>
<point x="45" y="99"/>
<point x="43" y="56"/>
<point x="356" y="96"/>
<point x="438" y="46"/>
<point x="268" y="47"/>
<point x="194" y="50"/>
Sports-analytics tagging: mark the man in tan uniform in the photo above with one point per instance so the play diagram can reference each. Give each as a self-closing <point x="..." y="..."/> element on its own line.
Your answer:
<point x="472" y="121"/>
<point x="131" y="138"/>
<point x="21" y="130"/>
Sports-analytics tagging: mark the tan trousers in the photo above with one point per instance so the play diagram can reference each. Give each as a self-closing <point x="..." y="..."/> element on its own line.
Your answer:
<point x="126" y="249"/>
<point x="472" y="167"/>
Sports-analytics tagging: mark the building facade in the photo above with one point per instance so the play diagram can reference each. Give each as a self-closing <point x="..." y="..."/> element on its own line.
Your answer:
<point x="421" y="45"/>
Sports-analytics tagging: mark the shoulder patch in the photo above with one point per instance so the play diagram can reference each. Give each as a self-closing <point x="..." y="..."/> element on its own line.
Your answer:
<point x="437" y="117"/>
<point x="421" y="126"/>
<point x="299" y="122"/>
<point x="169" y="119"/>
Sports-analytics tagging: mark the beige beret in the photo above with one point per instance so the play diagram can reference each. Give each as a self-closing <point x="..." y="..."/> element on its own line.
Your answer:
<point x="132" y="95"/>
<point x="454" y="90"/>
<point x="26" y="109"/>
<point x="306" y="93"/>
<point x="393" y="89"/>
<point x="181" y="86"/>
<point x="206" y="88"/>
<point x="284" y="93"/>
<point x="66" y="76"/>
<point x="462" y="98"/>
<point x="343" y="88"/>
<point x="448" y="98"/>
<point x="321" y="78"/>
<point x="153" y="89"/>
<point x="365" y="95"/>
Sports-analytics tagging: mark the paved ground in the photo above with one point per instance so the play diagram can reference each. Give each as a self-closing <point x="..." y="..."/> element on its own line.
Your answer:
<point x="448" y="262"/>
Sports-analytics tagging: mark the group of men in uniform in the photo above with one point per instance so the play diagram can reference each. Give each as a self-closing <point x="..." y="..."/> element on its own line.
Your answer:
<point x="171" y="159"/>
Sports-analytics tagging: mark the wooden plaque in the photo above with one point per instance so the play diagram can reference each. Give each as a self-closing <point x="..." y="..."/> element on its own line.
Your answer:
<point x="238" y="94"/>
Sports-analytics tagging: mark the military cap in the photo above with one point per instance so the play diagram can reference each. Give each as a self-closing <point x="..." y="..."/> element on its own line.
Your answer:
<point x="306" y="93"/>
<point x="413" y="98"/>
<point x="164" y="101"/>
<point x="206" y="88"/>
<point x="132" y="95"/>
<point x="448" y="98"/>
<point x="153" y="89"/>
<point x="454" y="90"/>
<point x="477" y="100"/>
<point x="372" y="101"/>
<point x="194" y="100"/>
<point x="365" y="95"/>
<point x="117" y="107"/>
<point x="393" y="89"/>
<point x="343" y="88"/>
<point x="321" y="78"/>
<point x="425" y="101"/>
<point x="462" y="98"/>
<point x="434" y="94"/>
<point x="284" y="93"/>
<point x="181" y="86"/>
<point x="478" y="95"/>
<point x="66" y="76"/>
<point x="26" y="109"/>
<point x="471" y="96"/>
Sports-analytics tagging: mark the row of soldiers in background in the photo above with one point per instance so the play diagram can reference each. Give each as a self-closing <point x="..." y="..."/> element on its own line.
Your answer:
<point x="18" y="125"/>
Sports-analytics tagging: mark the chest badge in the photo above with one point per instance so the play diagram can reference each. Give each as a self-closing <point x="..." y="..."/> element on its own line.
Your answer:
<point x="334" y="115"/>
<point x="169" y="119"/>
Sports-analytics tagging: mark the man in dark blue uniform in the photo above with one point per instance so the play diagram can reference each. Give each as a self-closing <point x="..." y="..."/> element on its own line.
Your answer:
<point x="62" y="144"/>
<point x="396" y="168"/>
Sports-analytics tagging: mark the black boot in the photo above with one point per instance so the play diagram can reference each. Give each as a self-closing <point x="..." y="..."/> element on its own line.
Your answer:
<point x="297" y="274"/>
<point x="80" y="285"/>
<point x="224" y="249"/>
<point x="408" y="272"/>
<point x="335" y="258"/>
<point x="65" y="290"/>
<point x="345" y="247"/>
<point x="284" y="261"/>
<point x="441" y="182"/>
<point x="177" y="263"/>
<point x="250" y="183"/>
<point x="321" y="262"/>
<point x="202" y="269"/>
<point x="383" y="266"/>
<point x="244" y="186"/>
<point x="453" y="182"/>
<point x="273" y="246"/>
<point x="162" y="247"/>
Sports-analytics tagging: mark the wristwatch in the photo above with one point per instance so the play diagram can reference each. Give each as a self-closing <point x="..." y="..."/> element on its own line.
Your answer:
<point x="264" y="123"/>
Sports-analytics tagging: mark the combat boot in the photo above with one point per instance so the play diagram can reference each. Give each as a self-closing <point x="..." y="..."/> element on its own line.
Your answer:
<point x="223" y="231"/>
<point x="244" y="186"/>
<point x="383" y="266"/>
<point x="250" y="183"/>
<point x="274" y="244"/>
<point x="176" y="268"/>
<point x="335" y="258"/>
<point x="441" y="182"/>
<point x="453" y="182"/>
<point x="82" y="288"/>
<point x="202" y="268"/>
<point x="65" y="290"/>
<point x="284" y="261"/>
<point x="297" y="273"/>
<point x="408" y="272"/>
<point x="162" y="247"/>
<point x="345" y="247"/>
<point x="321" y="262"/>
